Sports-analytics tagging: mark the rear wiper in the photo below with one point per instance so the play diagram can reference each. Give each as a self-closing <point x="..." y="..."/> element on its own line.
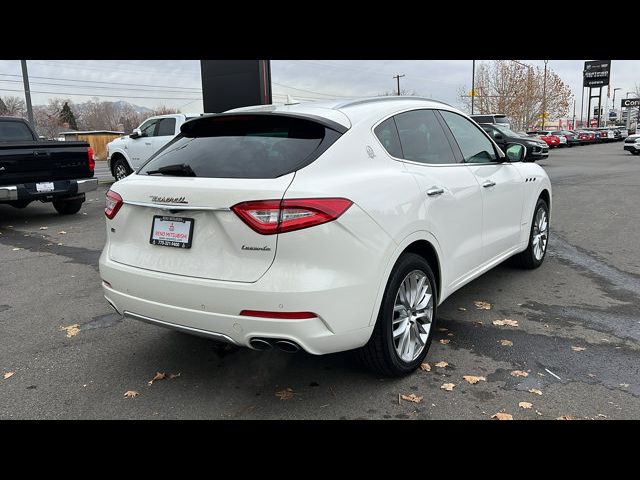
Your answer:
<point x="179" y="170"/>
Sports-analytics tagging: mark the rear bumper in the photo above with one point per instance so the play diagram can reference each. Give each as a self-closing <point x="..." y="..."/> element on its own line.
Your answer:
<point x="62" y="188"/>
<point x="632" y="147"/>
<point x="211" y="308"/>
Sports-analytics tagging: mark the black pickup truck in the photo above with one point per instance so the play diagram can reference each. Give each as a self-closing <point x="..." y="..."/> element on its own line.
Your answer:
<point x="49" y="171"/>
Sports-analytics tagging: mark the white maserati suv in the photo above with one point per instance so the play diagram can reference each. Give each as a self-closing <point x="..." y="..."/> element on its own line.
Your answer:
<point x="320" y="226"/>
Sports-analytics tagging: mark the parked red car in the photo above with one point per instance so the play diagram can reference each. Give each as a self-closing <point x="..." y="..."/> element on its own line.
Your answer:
<point x="586" y="137"/>
<point x="550" y="140"/>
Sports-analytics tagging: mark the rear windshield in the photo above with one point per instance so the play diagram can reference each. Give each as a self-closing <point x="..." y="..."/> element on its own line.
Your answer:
<point x="14" y="132"/>
<point x="501" y="119"/>
<point x="241" y="146"/>
<point x="483" y="118"/>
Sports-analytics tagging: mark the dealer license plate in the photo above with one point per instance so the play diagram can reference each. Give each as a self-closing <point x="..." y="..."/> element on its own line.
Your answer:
<point x="169" y="231"/>
<point x="45" y="187"/>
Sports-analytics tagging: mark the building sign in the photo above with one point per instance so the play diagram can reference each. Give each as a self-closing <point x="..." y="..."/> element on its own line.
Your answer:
<point x="631" y="102"/>
<point x="596" y="73"/>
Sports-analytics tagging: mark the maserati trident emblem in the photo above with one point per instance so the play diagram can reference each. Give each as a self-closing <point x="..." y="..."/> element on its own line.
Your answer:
<point x="156" y="199"/>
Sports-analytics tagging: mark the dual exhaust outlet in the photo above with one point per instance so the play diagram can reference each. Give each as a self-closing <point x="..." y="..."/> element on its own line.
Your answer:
<point x="268" y="343"/>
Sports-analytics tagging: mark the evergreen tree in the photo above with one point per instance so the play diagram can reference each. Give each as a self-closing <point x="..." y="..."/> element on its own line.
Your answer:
<point x="3" y="108"/>
<point x="66" y="116"/>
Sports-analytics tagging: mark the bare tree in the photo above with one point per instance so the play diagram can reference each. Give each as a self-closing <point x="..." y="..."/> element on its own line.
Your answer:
<point x="403" y="91"/>
<point x="504" y="86"/>
<point x="13" y="107"/>
<point x="164" y="110"/>
<point x="47" y="117"/>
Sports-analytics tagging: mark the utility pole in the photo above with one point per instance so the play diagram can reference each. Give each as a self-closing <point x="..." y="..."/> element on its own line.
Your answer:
<point x="614" y="103"/>
<point x="582" y="108"/>
<point x="573" y="122"/>
<point x="397" y="77"/>
<point x="27" y="92"/>
<point x="544" y="94"/>
<point x="473" y="84"/>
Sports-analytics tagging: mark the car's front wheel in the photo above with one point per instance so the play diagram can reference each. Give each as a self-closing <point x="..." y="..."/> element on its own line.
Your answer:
<point x="121" y="169"/>
<point x="405" y="324"/>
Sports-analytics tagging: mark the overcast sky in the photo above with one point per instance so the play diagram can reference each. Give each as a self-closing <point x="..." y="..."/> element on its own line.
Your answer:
<point x="177" y="83"/>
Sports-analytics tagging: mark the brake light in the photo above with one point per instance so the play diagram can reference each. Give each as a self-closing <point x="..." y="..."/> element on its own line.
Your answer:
<point x="280" y="315"/>
<point x="268" y="217"/>
<point x="92" y="162"/>
<point x="113" y="202"/>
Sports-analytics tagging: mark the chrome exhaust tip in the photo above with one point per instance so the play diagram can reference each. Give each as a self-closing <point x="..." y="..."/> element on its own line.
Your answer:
<point x="287" y="346"/>
<point x="260" y="344"/>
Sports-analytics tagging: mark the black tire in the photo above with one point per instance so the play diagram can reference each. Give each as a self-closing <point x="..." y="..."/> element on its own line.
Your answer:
<point x="380" y="354"/>
<point x="121" y="169"/>
<point x="67" y="207"/>
<point x="527" y="259"/>
<point x="20" y="203"/>
<point x="635" y="153"/>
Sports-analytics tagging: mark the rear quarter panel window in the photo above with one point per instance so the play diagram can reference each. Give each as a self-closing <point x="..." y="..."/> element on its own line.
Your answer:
<point x="387" y="133"/>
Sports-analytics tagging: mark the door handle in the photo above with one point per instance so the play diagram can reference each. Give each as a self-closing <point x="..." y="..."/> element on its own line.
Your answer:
<point x="434" y="192"/>
<point x="489" y="183"/>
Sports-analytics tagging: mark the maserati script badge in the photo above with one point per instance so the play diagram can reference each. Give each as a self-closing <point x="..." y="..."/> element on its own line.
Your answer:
<point x="156" y="199"/>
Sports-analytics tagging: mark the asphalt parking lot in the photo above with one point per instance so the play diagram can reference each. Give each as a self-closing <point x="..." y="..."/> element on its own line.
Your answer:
<point x="576" y="340"/>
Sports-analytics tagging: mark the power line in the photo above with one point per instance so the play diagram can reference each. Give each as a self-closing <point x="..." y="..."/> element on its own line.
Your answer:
<point x="99" y="87"/>
<point x="97" y="81"/>
<point x="109" y="69"/>
<point x="310" y="91"/>
<point x="99" y="95"/>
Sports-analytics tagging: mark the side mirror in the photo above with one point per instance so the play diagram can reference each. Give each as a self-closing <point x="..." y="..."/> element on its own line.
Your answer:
<point x="136" y="133"/>
<point x="516" y="152"/>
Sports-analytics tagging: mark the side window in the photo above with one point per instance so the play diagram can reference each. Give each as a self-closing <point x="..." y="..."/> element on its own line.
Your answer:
<point x="387" y="133"/>
<point x="422" y="138"/>
<point x="148" y="128"/>
<point x="166" y="127"/>
<point x="475" y="147"/>
<point x="490" y="131"/>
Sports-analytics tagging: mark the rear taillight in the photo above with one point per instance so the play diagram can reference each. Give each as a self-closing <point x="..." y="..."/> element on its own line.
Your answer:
<point x="92" y="162"/>
<point x="113" y="202"/>
<point x="268" y="217"/>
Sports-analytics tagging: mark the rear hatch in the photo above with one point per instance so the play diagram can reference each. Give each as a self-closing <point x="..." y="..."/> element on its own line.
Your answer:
<point x="25" y="162"/>
<point x="189" y="187"/>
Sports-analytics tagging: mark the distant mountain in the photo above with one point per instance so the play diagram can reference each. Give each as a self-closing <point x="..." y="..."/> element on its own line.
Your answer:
<point x="121" y="104"/>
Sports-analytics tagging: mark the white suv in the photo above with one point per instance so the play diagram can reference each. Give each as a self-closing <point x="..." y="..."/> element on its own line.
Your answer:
<point x="322" y="226"/>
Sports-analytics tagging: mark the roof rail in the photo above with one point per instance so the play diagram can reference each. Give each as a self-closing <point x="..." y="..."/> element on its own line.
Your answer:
<point x="362" y="101"/>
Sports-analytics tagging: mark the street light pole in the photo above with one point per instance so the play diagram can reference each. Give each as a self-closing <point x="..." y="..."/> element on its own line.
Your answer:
<point x="614" y="101"/>
<point x="473" y="84"/>
<point x="544" y="94"/>
<point x="573" y="121"/>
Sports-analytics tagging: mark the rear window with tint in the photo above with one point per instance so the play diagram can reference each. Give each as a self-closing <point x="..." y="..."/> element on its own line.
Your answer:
<point x="243" y="146"/>
<point x="14" y="132"/>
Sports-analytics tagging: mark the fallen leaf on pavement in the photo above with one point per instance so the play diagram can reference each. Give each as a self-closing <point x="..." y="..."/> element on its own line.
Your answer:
<point x="44" y="228"/>
<point x="444" y="341"/>
<point x="16" y="249"/>
<point x="447" y="386"/>
<point x="9" y="375"/>
<point x="478" y="322"/>
<point x="441" y="364"/>
<point x="131" y="394"/>
<point x="506" y="343"/>
<point x="525" y="405"/>
<point x="578" y="349"/>
<point x="425" y="366"/>
<point x="482" y="305"/>
<point x="601" y="415"/>
<point x="175" y="375"/>
<point x="502" y="416"/>
<point x="286" y="394"/>
<point x="158" y="376"/>
<point x="519" y="373"/>
<point x="449" y="334"/>
<point x="564" y="417"/>
<point x="624" y="385"/>
<point x="462" y="309"/>
<point x="442" y="329"/>
<point x="535" y="390"/>
<point x="507" y="322"/>
<point x="62" y="232"/>
<point x="473" y="380"/>
<point x="72" y="330"/>
<point x="412" y="398"/>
